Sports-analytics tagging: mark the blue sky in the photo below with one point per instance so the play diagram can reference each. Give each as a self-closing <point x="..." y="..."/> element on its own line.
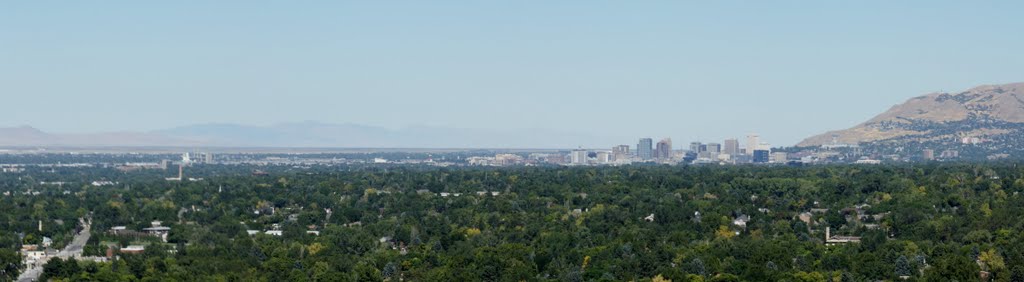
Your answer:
<point x="703" y="70"/>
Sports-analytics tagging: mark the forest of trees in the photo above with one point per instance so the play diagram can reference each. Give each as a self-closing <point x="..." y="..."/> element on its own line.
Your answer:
<point x="918" y="222"/>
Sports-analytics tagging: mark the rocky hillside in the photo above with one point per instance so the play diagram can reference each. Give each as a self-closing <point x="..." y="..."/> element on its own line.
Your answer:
<point x="984" y="113"/>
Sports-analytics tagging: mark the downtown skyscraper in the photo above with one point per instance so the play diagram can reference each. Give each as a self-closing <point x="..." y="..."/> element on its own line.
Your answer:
<point x="753" y="143"/>
<point x="732" y="147"/>
<point x="620" y="152"/>
<point x="663" y="151"/>
<point x="645" y="148"/>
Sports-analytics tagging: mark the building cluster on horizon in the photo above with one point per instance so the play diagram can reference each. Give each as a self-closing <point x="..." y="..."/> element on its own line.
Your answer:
<point x="188" y="159"/>
<point x="4" y="168"/>
<point x="196" y="158"/>
<point x="648" y="151"/>
<point x="497" y="160"/>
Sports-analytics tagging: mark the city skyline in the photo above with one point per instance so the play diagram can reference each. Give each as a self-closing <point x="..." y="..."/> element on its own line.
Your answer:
<point x="573" y="140"/>
<point x="663" y="152"/>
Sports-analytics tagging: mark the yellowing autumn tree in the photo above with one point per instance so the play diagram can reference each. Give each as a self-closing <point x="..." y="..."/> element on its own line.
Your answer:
<point x="992" y="261"/>
<point x="660" y="279"/>
<point x="470" y="232"/>
<point x="724" y="232"/>
<point x="315" y="248"/>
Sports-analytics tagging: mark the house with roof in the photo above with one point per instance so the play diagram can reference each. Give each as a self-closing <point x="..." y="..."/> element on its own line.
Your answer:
<point x="133" y="249"/>
<point x="806" y="217"/>
<point x="32" y="252"/>
<point x="832" y="240"/>
<point x="157" y="230"/>
<point x="741" y="221"/>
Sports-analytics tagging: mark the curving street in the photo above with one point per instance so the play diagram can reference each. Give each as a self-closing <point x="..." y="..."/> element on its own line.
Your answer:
<point x="73" y="249"/>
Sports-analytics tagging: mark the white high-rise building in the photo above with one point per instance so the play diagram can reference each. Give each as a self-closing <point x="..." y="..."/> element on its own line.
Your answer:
<point x="753" y="143"/>
<point x="578" y="157"/>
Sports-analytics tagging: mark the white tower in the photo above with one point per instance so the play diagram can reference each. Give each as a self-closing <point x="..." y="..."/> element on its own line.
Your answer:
<point x="753" y="141"/>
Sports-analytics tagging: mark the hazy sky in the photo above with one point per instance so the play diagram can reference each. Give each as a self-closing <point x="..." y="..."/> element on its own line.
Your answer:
<point x="624" y="69"/>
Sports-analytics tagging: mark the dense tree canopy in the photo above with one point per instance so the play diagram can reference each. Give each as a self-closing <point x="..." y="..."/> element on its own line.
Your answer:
<point x="928" y="222"/>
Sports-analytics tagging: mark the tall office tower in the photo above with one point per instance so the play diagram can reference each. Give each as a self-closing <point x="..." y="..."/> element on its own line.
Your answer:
<point x="695" y="147"/>
<point x="753" y="141"/>
<point x="761" y="156"/>
<point x="620" y="152"/>
<point x="732" y="147"/>
<point x="713" y="148"/>
<point x="664" y="149"/>
<point x="644" y="148"/>
<point x="578" y="157"/>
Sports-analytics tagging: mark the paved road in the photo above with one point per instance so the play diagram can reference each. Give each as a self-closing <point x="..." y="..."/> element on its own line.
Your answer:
<point x="73" y="249"/>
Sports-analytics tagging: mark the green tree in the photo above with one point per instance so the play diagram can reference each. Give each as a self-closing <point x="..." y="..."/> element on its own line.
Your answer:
<point x="10" y="262"/>
<point x="367" y="272"/>
<point x="726" y="278"/>
<point x="390" y="271"/>
<point x="903" y="267"/>
<point x="1017" y="274"/>
<point x="953" y="267"/>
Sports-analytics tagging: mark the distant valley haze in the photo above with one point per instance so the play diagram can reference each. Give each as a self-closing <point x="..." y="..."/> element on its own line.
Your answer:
<point x="970" y="113"/>
<point x="998" y="102"/>
<point x="305" y="135"/>
<point x="483" y="75"/>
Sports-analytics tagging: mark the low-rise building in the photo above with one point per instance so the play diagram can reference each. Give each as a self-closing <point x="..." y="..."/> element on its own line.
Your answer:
<point x="133" y="249"/>
<point x="117" y="230"/>
<point x="780" y="157"/>
<point x="831" y="240"/>
<point x="156" y="229"/>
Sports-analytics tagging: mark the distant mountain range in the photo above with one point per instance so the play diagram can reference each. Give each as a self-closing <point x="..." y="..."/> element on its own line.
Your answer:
<point x="29" y="136"/>
<point x="305" y="134"/>
<point x="991" y="115"/>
